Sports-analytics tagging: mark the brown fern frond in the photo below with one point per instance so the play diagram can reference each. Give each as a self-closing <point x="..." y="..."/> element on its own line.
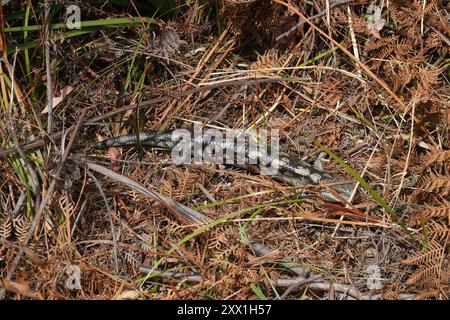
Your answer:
<point x="391" y="295"/>
<point x="433" y="40"/>
<point x="21" y="226"/>
<point x="427" y="294"/>
<point x="66" y="205"/>
<point x="403" y="48"/>
<point x="132" y="258"/>
<point x="425" y="272"/>
<point x="257" y="22"/>
<point x="187" y="183"/>
<point x="166" y="188"/>
<point x="269" y="60"/>
<point x="437" y="230"/>
<point x="392" y="291"/>
<point x="438" y="157"/>
<point x="240" y="1"/>
<point x="446" y="116"/>
<point x="5" y="228"/>
<point x="435" y="182"/>
<point x="433" y="251"/>
<point x="432" y="212"/>
<point x="169" y="42"/>
<point x="435" y="282"/>
<point x="147" y="243"/>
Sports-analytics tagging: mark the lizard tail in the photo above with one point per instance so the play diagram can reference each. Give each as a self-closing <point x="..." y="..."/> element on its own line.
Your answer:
<point x="148" y="138"/>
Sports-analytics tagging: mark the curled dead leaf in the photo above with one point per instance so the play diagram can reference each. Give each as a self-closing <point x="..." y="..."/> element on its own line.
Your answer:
<point x="21" y="288"/>
<point x="128" y="295"/>
<point x="33" y="256"/>
<point x="57" y="100"/>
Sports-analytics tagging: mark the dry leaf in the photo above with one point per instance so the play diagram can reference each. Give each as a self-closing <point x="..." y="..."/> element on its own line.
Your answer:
<point x="33" y="256"/>
<point x="128" y="295"/>
<point x="115" y="154"/>
<point x="21" y="288"/>
<point x="57" y="100"/>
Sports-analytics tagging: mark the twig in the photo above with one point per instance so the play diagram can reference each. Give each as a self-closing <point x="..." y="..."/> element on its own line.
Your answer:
<point x="185" y="277"/>
<point x="299" y="282"/>
<point x="316" y="16"/>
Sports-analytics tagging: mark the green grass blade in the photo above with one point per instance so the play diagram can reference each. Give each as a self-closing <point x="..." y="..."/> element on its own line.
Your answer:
<point x="257" y="290"/>
<point x="103" y="23"/>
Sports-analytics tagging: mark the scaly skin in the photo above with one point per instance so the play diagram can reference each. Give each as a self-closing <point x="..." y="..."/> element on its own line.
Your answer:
<point x="290" y="170"/>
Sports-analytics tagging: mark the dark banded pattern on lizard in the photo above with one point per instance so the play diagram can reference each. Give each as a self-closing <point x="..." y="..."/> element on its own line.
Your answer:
<point x="290" y="170"/>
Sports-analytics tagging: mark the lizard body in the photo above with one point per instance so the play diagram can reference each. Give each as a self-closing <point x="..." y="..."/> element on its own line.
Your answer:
<point x="290" y="169"/>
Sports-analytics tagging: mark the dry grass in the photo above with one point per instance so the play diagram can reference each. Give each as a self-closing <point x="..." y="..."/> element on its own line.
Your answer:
<point x="386" y="115"/>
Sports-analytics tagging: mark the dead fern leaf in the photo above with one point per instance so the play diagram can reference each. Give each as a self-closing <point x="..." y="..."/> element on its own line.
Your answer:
<point x="438" y="157"/>
<point x="66" y="205"/>
<point x="427" y="294"/>
<point x="21" y="226"/>
<point x="428" y="76"/>
<point x="435" y="182"/>
<point x="5" y="228"/>
<point x="432" y="252"/>
<point x="425" y="272"/>
<point x="432" y="212"/>
<point x="267" y="64"/>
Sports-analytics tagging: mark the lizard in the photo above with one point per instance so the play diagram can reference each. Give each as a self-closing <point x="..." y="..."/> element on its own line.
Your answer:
<point x="290" y="169"/>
